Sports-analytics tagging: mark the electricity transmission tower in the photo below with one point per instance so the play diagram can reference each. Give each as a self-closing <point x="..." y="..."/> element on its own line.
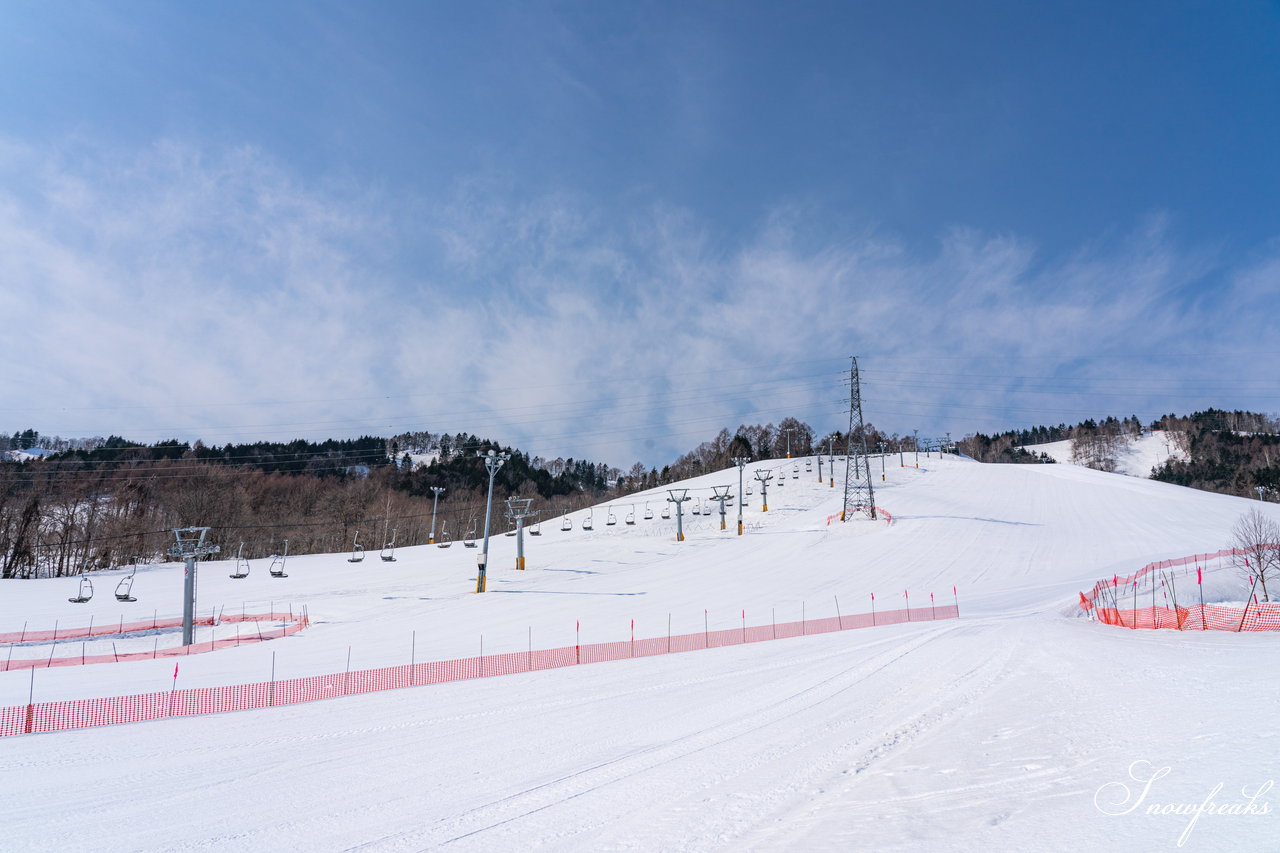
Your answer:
<point x="858" y="491"/>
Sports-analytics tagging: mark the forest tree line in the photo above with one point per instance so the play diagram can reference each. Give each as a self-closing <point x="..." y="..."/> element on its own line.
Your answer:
<point x="98" y="503"/>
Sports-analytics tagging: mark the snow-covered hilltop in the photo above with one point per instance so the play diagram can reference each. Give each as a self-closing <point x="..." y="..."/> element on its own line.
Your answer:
<point x="1135" y="456"/>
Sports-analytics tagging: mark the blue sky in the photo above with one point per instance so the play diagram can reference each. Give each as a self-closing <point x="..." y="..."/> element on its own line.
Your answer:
<point x="609" y="229"/>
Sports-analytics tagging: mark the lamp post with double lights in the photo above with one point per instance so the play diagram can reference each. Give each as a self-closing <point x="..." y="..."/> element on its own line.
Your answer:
<point x="492" y="462"/>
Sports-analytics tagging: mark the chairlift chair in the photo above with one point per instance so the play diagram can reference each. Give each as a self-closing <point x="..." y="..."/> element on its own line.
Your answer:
<point x="697" y="507"/>
<point x="445" y="539"/>
<point x="537" y="529"/>
<point x="648" y="513"/>
<point x="611" y="520"/>
<point x="511" y="529"/>
<point x="388" y="552"/>
<point x="566" y="523"/>
<point x="242" y="565"/>
<point x="357" y="550"/>
<point x="750" y="490"/>
<point x="631" y="516"/>
<point x="666" y="512"/>
<point x="586" y="522"/>
<point x="125" y="587"/>
<point x="469" y="541"/>
<point x="86" y="591"/>
<point x="276" y="567"/>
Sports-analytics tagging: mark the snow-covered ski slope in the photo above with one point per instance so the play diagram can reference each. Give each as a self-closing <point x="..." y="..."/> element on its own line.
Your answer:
<point x="1138" y="457"/>
<point x="1003" y="730"/>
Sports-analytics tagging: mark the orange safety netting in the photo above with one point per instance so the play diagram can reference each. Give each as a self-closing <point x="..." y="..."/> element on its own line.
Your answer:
<point x="289" y="625"/>
<point x="85" y="713"/>
<point x="1107" y="598"/>
<point x="1207" y="617"/>
<point x="884" y="513"/>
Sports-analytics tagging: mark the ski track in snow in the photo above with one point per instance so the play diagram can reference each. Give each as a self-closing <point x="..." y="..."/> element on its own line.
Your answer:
<point x="993" y="731"/>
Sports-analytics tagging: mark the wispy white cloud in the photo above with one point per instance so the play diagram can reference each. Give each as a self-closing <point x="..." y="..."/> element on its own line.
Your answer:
<point x="211" y="294"/>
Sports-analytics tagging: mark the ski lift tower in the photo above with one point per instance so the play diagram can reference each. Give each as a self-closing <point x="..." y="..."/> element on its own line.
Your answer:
<point x="721" y="495"/>
<point x="678" y="497"/>
<point x="518" y="509"/>
<point x="190" y="547"/>
<point x="764" y="476"/>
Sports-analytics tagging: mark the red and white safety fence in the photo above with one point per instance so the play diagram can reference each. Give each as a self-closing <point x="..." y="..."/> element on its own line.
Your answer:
<point x="1149" y="598"/>
<point x="85" y="713"/>
<point x="884" y="514"/>
<point x="289" y="624"/>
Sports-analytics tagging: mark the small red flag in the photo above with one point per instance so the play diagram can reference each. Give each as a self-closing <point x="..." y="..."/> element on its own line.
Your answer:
<point x="931" y="596"/>
<point x="873" y="596"/>
<point x="577" y="625"/>
<point x="175" y="671"/>
<point x="1115" y="580"/>
<point x="953" y="590"/>
<point x="1199" y="577"/>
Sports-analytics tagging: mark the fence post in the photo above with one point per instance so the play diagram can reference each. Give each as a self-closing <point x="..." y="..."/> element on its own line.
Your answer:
<point x="413" y="655"/>
<point x="271" y="694"/>
<point x="31" y="700"/>
<point x="345" y="675"/>
<point x="839" y="618"/>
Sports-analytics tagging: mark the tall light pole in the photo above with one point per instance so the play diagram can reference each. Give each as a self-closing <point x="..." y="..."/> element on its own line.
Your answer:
<point x="764" y="477"/>
<point x="788" y="431"/>
<point x="882" y="461"/>
<point x="518" y="508"/>
<point x="492" y="462"/>
<point x="437" y="491"/>
<point x="720" y="497"/>
<point x="741" y="462"/>
<point x="678" y="497"/>
<point x="915" y="442"/>
<point x="831" y="461"/>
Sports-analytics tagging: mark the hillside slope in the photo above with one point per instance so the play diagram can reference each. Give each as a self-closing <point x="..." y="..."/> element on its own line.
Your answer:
<point x="994" y="731"/>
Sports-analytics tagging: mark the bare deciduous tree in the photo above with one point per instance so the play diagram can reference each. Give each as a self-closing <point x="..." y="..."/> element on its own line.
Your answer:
<point x="1258" y="535"/>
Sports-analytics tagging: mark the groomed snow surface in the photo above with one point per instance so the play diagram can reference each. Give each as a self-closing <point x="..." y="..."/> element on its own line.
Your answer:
<point x="1015" y="727"/>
